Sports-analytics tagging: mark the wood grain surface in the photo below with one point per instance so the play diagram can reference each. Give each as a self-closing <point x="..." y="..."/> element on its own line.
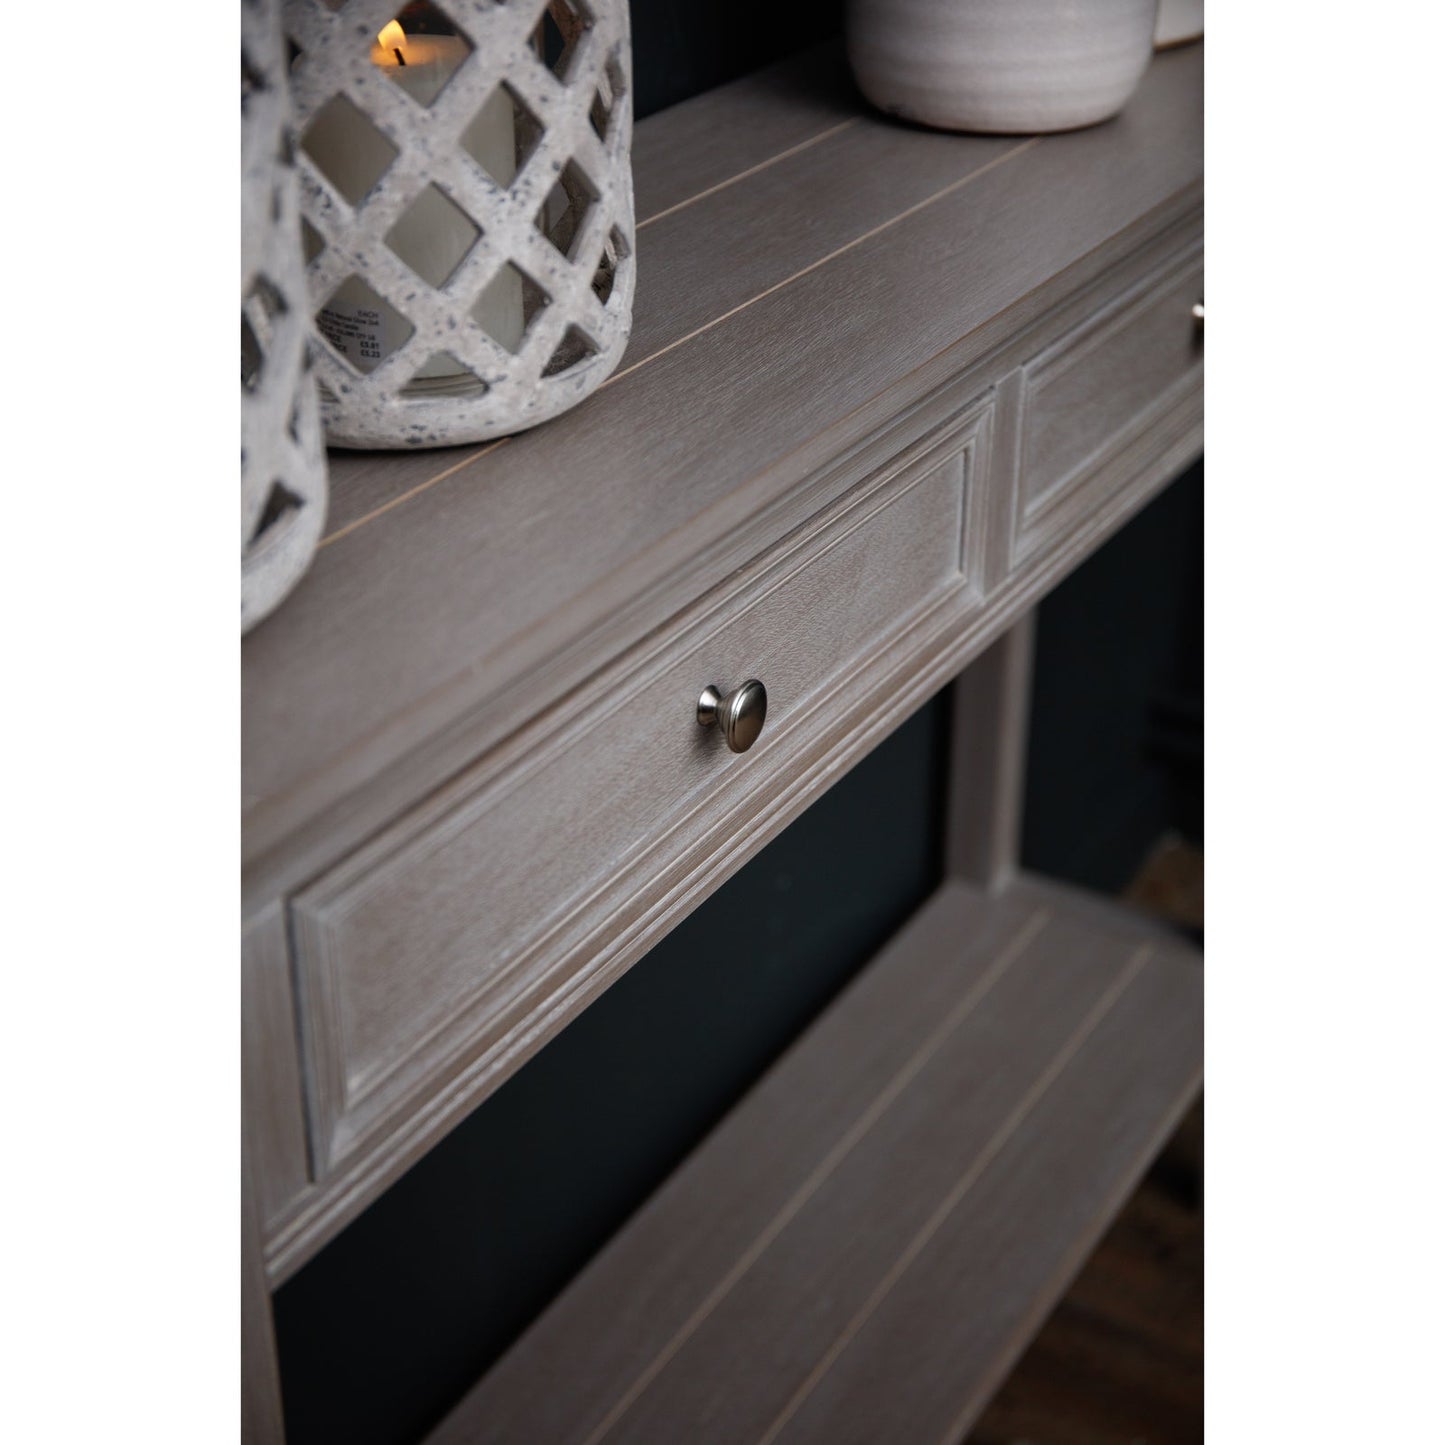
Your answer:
<point x="811" y="301"/>
<point x="596" y="945"/>
<point x="261" y="1413"/>
<point x="859" y="1252"/>
<point x="1111" y="375"/>
<point x="710" y="141"/>
<point x="987" y="754"/>
<point x="886" y="388"/>
<point x="271" y="1089"/>
<point x="464" y="878"/>
<point x="1121" y="1357"/>
<point x="464" y="891"/>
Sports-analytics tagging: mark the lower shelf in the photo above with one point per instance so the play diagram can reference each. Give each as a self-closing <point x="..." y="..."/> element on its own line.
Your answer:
<point x="863" y="1247"/>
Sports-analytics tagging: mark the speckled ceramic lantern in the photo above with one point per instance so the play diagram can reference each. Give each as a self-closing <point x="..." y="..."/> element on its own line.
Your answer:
<point x="467" y="189"/>
<point x="283" y="462"/>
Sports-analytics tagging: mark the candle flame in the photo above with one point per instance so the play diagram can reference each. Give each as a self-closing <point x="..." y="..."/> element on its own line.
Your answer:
<point x="392" y="36"/>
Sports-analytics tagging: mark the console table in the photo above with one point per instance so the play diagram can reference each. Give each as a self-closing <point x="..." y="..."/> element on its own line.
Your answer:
<point x="885" y="388"/>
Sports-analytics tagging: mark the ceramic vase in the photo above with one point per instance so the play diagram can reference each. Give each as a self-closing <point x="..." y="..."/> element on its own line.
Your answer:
<point x="1010" y="66"/>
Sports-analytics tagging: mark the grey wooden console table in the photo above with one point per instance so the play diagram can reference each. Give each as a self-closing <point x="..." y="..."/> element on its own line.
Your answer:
<point x="885" y="388"/>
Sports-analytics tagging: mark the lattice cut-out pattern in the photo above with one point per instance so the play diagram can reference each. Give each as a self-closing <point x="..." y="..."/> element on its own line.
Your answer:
<point x="560" y="34"/>
<point x="467" y="189"/>
<point x="502" y="135"/>
<point x="283" y="462"/>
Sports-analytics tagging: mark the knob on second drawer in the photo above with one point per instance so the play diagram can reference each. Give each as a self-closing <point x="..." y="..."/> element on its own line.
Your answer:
<point x="740" y="714"/>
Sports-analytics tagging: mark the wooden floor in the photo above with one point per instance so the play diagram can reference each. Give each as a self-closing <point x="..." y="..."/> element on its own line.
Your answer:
<point x="1121" y="1359"/>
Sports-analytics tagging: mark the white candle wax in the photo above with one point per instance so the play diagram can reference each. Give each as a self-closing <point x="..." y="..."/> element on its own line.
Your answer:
<point x="433" y="234"/>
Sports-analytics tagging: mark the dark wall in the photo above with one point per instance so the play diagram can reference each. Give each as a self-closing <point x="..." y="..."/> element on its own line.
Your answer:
<point x="1116" y="755"/>
<point x="682" y="49"/>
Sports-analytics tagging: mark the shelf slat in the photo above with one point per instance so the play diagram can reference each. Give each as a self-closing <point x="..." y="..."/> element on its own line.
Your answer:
<point x="866" y="1243"/>
<point x="706" y="142"/>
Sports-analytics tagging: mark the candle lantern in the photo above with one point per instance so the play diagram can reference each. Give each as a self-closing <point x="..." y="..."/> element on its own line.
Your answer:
<point x="467" y="192"/>
<point x="283" y="460"/>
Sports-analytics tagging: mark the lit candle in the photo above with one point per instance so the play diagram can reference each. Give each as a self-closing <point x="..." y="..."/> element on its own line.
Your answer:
<point x="433" y="234"/>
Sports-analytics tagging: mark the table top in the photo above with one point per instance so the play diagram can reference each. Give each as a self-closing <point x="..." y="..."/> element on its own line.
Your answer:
<point x="806" y="269"/>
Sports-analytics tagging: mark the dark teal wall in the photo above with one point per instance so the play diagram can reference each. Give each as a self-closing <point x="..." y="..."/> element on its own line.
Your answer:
<point x="681" y="48"/>
<point x="1117" y="751"/>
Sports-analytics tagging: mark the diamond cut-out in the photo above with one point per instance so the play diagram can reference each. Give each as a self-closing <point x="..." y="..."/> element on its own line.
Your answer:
<point x="508" y="305"/>
<point x="559" y="35"/>
<point x="502" y="135"/>
<point x="564" y="213"/>
<point x="261" y="308"/>
<point x="433" y="236"/>
<point x="253" y="79"/>
<point x="599" y="115"/>
<point x="281" y="502"/>
<point x="312" y="242"/>
<point x="419" y="50"/>
<point x="443" y="375"/>
<point x="347" y="148"/>
<point x="614" y="253"/>
<point x="253" y="358"/>
<point x="574" y="348"/>
<point x="610" y="90"/>
<point x="360" y="326"/>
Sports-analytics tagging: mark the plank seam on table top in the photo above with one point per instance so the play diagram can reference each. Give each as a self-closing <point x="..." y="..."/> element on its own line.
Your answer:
<point x="753" y="170"/>
<point x="406" y="496"/>
<point x="954" y="1197"/>
<point x="356" y="523"/>
<point x="656" y="216"/>
<point x="880" y="1104"/>
<point x="831" y="256"/>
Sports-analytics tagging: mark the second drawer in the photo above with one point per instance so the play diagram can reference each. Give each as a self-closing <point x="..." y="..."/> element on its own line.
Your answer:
<point x="471" y="905"/>
<point x="1128" y="368"/>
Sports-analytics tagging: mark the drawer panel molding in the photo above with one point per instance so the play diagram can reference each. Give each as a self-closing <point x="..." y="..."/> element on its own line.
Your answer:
<point x="454" y="933"/>
<point x="1087" y="397"/>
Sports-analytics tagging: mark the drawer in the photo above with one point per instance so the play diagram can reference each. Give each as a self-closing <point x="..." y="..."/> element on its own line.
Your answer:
<point x="457" y="931"/>
<point x="1132" y="370"/>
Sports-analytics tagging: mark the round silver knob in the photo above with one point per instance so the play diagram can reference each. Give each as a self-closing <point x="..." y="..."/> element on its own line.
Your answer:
<point x="1197" y="311"/>
<point x="740" y="714"/>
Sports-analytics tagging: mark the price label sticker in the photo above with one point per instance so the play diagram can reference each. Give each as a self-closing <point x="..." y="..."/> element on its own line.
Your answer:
<point x="357" y="332"/>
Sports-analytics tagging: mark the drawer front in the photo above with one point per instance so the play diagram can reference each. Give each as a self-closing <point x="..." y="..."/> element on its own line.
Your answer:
<point x="1134" y="368"/>
<point x="463" y="922"/>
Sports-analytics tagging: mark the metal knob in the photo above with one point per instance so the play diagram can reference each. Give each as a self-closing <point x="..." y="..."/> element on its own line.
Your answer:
<point x="740" y="713"/>
<point x="1197" y="312"/>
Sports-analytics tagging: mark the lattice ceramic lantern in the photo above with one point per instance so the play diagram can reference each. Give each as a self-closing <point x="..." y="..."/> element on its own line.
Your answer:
<point x="283" y="462"/>
<point x="467" y="187"/>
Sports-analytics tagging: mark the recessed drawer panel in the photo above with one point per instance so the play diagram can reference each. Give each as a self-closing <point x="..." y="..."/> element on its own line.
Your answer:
<point x="1097" y="390"/>
<point x="464" y="920"/>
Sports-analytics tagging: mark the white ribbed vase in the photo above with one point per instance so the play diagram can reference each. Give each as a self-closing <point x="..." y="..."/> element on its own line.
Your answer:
<point x="283" y="461"/>
<point x="467" y="186"/>
<point x="1010" y="66"/>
